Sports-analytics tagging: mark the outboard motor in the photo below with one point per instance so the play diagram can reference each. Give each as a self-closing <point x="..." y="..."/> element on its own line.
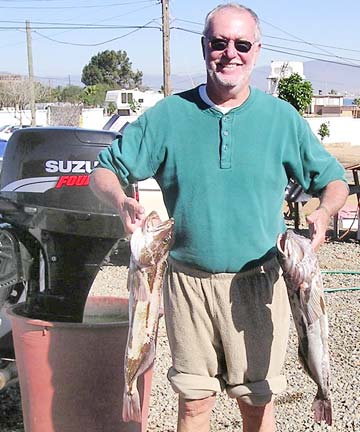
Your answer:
<point x="54" y="232"/>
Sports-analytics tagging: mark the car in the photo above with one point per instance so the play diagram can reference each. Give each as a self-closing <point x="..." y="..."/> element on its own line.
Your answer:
<point x="3" y="144"/>
<point x="7" y="130"/>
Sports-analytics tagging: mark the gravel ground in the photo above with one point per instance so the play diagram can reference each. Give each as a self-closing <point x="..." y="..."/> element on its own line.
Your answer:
<point x="293" y="411"/>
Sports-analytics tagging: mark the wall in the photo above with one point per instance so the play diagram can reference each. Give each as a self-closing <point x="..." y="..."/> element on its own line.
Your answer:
<point x="342" y="129"/>
<point x="10" y="117"/>
<point x="92" y="118"/>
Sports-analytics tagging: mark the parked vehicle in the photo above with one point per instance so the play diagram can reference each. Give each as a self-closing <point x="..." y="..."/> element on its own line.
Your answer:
<point x="7" y="130"/>
<point x="3" y="144"/>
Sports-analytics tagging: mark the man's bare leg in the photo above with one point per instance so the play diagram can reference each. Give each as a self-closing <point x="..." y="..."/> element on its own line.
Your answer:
<point x="194" y="415"/>
<point x="257" y="418"/>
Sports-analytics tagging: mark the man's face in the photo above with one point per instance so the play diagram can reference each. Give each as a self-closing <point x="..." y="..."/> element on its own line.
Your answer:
<point x="230" y="68"/>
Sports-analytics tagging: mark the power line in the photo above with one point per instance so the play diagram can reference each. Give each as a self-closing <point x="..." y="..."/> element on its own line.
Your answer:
<point x="136" y="29"/>
<point x="93" y="27"/>
<point x="308" y="52"/>
<point x="315" y="58"/>
<point x="287" y="52"/>
<point x="74" y="7"/>
<point x="297" y="40"/>
<point x="79" y="25"/>
<point x="300" y="39"/>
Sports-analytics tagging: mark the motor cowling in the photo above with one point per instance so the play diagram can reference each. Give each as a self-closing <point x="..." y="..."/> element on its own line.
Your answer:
<point x="59" y="230"/>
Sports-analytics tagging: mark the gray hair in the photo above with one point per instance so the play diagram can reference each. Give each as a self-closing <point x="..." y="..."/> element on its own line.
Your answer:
<point x="239" y="7"/>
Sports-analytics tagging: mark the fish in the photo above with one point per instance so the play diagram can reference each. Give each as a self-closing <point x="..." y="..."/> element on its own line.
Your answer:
<point x="303" y="280"/>
<point x="149" y="245"/>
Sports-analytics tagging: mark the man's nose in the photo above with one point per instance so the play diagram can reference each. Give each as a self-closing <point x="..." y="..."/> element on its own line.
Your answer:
<point x="231" y="51"/>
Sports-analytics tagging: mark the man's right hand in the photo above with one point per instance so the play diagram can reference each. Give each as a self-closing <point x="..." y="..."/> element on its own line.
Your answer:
<point x="132" y="213"/>
<point x="105" y="184"/>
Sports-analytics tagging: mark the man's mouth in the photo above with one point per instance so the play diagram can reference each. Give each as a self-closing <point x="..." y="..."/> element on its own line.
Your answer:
<point x="228" y="66"/>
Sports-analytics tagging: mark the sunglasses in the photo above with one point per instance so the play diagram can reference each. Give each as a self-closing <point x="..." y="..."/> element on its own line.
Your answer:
<point x="218" y="44"/>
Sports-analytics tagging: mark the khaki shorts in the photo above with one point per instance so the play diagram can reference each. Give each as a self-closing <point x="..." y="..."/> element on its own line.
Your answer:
<point x="227" y="330"/>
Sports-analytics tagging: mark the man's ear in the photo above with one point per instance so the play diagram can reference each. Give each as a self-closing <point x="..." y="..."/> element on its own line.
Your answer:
<point x="203" y="46"/>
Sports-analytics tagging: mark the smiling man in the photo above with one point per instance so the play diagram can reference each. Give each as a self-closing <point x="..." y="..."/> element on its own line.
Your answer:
<point x="231" y="45"/>
<point x="222" y="154"/>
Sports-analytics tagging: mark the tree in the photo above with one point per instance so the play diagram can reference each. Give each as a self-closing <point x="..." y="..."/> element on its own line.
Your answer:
<point x="16" y="94"/>
<point x="94" y="95"/>
<point x="357" y="102"/>
<point x="297" y="91"/>
<point x="111" y="108"/>
<point x="324" y="131"/>
<point x="112" y="68"/>
<point x="71" y="93"/>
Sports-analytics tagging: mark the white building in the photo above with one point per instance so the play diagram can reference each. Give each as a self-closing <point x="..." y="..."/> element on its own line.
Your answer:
<point x="133" y="101"/>
<point x="282" y="69"/>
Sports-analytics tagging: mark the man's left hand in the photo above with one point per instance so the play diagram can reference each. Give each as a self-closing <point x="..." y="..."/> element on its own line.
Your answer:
<point x="318" y="222"/>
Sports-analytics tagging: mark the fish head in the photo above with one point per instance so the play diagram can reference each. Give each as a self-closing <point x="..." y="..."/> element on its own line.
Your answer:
<point x="152" y="241"/>
<point x="291" y="249"/>
<point x="297" y="258"/>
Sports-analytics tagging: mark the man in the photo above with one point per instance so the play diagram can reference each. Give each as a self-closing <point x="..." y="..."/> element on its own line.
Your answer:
<point x="222" y="154"/>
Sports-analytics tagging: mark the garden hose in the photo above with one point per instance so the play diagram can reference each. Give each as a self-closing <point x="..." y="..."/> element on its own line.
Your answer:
<point x="352" y="272"/>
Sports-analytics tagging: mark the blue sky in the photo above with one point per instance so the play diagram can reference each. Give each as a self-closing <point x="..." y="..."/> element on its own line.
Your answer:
<point x="322" y="29"/>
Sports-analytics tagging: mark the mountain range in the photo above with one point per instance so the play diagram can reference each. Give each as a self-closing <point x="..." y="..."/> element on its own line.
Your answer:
<point x="323" y="76"/>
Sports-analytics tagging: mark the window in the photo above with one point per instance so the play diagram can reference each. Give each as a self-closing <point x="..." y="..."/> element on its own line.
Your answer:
<point x="130" y="98"/>
<point x="123" y="98"/>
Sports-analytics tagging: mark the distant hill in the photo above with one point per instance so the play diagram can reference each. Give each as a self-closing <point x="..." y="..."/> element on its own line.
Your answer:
<point x="323" y="76"/>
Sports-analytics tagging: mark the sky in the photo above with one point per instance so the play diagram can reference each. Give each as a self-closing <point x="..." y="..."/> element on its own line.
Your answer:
<point x="63" y="41"/>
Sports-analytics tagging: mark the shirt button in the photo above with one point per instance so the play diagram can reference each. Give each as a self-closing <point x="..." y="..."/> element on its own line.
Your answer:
<point x="225" y="147"/>
<point x="226" y="133"/>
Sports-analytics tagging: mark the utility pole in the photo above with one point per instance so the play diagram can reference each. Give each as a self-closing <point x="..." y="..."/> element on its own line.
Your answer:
<point x="31" y="74"/>
<point x="166" y="46"/>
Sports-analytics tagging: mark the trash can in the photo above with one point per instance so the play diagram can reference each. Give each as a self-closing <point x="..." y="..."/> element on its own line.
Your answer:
<point x="71" y="374"/>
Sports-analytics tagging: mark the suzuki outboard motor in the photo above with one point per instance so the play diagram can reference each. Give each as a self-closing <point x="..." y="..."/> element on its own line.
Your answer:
<point x="54" y="232"/>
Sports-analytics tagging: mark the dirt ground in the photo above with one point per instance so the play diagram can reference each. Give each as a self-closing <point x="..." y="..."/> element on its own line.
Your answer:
<point x="345" y="153"/>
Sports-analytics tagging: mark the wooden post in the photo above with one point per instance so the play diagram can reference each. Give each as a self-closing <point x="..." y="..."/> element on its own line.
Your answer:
<point x="166" y="46"/>
<point x="31" y="75"/>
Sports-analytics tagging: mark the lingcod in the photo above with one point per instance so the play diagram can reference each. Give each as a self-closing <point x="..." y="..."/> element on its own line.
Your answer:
<point x="149" y="245"/>
<point x="306" y="296"/>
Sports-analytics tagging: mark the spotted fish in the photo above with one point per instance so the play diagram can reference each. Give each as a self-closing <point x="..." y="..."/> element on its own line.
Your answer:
<point x="306" y="296"/>
<point x="149" y="246"/>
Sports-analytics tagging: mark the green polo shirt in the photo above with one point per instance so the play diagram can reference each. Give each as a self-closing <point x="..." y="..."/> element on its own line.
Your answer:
<point x="223" y="176"/>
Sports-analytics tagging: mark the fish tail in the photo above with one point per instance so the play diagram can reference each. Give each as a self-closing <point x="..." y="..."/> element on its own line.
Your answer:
<point x="131" y="406"/>
<point x="322" y="411"/>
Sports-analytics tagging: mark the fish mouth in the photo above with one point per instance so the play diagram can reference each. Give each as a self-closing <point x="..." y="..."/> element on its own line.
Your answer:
<point x="281" y="241"/>
<point x="161" y="229"/>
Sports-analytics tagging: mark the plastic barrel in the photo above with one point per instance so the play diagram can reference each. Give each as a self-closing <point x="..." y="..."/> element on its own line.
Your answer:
<point x="71" y="374"/>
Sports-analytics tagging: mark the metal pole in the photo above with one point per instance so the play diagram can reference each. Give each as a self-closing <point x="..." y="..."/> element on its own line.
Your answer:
<point x="166" y="46"/>
<point x="31" y="74"/>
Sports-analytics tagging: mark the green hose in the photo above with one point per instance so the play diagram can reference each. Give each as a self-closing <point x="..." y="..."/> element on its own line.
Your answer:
<point x="331" y="290"/>
<point x="340" y="271"/>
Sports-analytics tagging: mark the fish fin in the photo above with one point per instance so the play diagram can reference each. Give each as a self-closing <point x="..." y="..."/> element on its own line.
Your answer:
<point x="141" y="288"/>
<point x="131" y="273"/>
<point x="131" y="410"/>
<point x="161" y="305"/>
<point x="322" y="411"/>
<point x="312" y="303"/>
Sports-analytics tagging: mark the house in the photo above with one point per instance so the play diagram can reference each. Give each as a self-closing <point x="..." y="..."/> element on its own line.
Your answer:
<point x="282" y="69"/>
<point x="129" y="102"/>
<point x="332" y="105"/>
